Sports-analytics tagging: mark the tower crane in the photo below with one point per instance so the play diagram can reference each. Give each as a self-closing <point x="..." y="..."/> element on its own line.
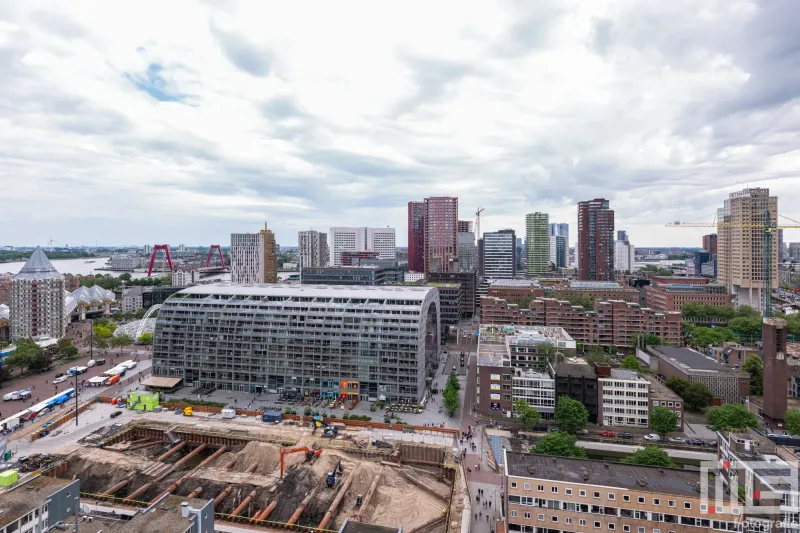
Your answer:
<point x="478" y="221"/>
<point x="769" y="224"/>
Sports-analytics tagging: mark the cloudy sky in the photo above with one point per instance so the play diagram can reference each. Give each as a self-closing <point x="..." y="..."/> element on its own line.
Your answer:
<point x="184" y="121"/>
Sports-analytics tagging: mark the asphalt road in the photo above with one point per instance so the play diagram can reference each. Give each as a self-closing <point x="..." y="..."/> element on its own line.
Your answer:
<point x="41" y="385"/>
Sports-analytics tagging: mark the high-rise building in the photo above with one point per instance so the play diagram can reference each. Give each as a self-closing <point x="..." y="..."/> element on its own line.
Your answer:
<point x="312" y="249"/>
<point x="441" y="233"/>
<point x="775" y="370"/>
<point x="247" y="258"/>
<point x="537" y="229"/>
<point x="794" y="251"/>
<point x="740" y="241"/>
<point x="466" y="252"/>
<point x="37" y="299"/>
<point x="270" y="255"/>
<point x="381" y="240"/>
<point x="560" y="228"/>
<point x="416" y="236"/>
<point x="710" y="243"/>
<point x="595" y="250"/>
<point x="498" y="254"/>
<point x="624" y="253"/>
<point x="464" y="226"/>
<point x="558" y="251"/>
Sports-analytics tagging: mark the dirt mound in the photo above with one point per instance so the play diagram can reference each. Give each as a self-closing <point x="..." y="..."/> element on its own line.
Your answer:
<point x="362" y="479"/>
<point x="398" y="501"/>
<point x="267" y="456"/>
<point x="296" y="483"/>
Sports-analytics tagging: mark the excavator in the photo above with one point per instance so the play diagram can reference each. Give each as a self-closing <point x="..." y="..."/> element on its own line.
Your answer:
<point x="330" y="431"/>
<point x="333" y="477"/>
<point x="311" y="453"/>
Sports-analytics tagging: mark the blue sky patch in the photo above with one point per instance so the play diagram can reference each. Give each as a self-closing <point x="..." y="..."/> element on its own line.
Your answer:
<point x="154" y="84"/>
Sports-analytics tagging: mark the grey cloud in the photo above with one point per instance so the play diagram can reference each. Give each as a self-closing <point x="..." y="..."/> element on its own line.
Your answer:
<point x="432" y="78"/>
<point x="281" y="108"/>
<point x="356" y="164"/>
<point x="244" y="54"/>
<point x="60" y="24"/>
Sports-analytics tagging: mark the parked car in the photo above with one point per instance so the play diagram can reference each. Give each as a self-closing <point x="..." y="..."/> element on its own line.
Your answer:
<point x="625" y="435"/>
<point x="554" y="429"/>
<point x="61" y="374"/>
<point x="652" y="437"/>
<point x="696" y="442"/>
<point x="609" y="434"/>
<point x="711" y="443"/>
<point x="677" y="440"/>
<point x="583" y="432"/>
<point x="116" y="413"/>
<point x="99" y="362"/>
<point x="59" y="379"/>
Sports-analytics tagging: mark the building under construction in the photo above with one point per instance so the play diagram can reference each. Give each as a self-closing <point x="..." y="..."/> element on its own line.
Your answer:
<point x="269" y="477"/>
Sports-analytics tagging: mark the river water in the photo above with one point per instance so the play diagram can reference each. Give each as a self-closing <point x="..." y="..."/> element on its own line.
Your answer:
<point x="73" y="266"/>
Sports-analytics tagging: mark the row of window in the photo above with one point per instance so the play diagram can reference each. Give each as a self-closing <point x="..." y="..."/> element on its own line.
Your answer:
<point x="718" y="525"/>
<point x="666" y="404"/>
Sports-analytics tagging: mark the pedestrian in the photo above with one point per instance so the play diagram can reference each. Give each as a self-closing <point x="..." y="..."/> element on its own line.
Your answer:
<point x="490" y="504"/>
<point x="476" y="516"/>
<point x="480" y="514"/>
<point x="487" y="517"/>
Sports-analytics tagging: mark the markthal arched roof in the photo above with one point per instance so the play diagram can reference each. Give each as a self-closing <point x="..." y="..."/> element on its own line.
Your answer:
<point x="88" y="296"/>
<point x="131" y="328"/>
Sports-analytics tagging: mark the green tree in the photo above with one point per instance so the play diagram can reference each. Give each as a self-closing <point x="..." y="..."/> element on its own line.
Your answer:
<point x="120" y="341"/>
<point x="558" y="444"/>
<point x="571" y="415"/>
<point x="731" y="416"/>
<point x="663" y="421"/>
<point x="650" y="456"/>
<point x="451" y="400"/>
<point x="547" y="350"/>
<point x="745" y="325"/>
<point x="452" y="381"/>
<point x="697" y="396"/>
<point x="754" y="366"/>
<point x="24" y="356"/>
<point x="125" y="277"/>
<point x="63" y="344"/>
<point x="526" y="414"/>
<point x="145" y="338"/>
<point x="70" y="352"/>
<point x="677" y="385"/>
<point x="631" y="363"/>
<point x="583" y="300"/>
<point x="792" y="421"/>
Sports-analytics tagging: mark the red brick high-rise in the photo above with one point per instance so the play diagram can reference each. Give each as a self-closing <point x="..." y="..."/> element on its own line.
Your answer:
<point x="416" y="236"/>
<point x="595" y="251"/>
<point x="710" y="243"/>
<point x="441" y="233"/>
<point x="775" y="370"/>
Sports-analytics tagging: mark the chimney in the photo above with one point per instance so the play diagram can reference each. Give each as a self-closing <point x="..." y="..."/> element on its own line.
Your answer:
<point x="585" y="474"/>
<point x="185" y="509"/>
<point x="531" y="469"/>
<point x="642" y="482"/>
<point x="602" y="370"/>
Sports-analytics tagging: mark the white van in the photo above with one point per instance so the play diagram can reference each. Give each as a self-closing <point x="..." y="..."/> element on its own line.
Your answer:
<point x="128" y="364"/>
<point x="91" y="363"/>
<point x="11" y="396"/>
<point x="228" y="413"/>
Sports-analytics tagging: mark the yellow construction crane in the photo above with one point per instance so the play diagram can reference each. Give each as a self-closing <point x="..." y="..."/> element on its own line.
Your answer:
<point x="767" y="226"/>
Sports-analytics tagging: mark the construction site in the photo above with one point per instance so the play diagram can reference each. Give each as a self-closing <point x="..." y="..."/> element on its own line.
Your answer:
<point x="268" y="477"/>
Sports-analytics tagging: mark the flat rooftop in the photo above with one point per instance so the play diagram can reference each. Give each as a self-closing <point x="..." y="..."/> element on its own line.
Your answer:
<point x="386" y="292"/>
<point x="617" y="475"/>
<point x="605" y="285"/>
<point x="164" y="517"/>
<point x="23" y="498"/>
<point x="659" y="391"/>
<point x="575" y="369"/>
<point x="513" y="283"/>
<point x="620" y="373"/>
<point x="690" y="360"/>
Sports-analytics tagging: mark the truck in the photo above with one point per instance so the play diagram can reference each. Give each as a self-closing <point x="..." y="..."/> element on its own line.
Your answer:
<point x="77" y="370"/>
<point x="228" y="413"/>
<point x="17" y="395"/>
<point x="129" y="364"/>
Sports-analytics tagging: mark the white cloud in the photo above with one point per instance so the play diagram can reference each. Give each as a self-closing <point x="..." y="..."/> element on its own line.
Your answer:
<point x="187" y="120"/>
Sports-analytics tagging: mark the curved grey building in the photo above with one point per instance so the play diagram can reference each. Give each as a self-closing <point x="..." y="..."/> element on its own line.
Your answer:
<point x="369" y="342"/>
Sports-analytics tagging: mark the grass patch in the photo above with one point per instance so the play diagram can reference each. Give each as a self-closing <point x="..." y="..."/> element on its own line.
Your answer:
<point x="202" y="403"/>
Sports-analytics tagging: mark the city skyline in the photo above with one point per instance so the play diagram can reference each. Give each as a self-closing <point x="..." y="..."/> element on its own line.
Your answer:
<point x="124" y="130"/>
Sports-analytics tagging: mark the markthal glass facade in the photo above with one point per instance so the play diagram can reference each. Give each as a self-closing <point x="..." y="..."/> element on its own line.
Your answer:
<point x="301" y="340"/>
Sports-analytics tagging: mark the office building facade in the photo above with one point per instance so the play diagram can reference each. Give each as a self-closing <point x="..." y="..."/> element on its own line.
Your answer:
<point x="440" y="233"/>
<point x="710" y="243"/>
<point x="558" y="251"/>
<point x="270" y="259"/>
<point x="366" y="342"/>
<point x="467" y="256"/>
<point x="740" y="245"/>
<point x="624" y="253"/>
<point x="498" y="254"/>
<point x="537" y="239"/>
<point x="380" y="240"/>
<point x="416" y="236"/>
<point x="312" y="249"/>
<point x="467" y="281"/>
<point x="247" y="258"/>
<point x="37" y="299"/>
<point x="624" y="397"/>
<point x="465" y="226"/>
<point x="595" y="250"/>
<point x="344" y="275"/>
<point x="576" y="379"/>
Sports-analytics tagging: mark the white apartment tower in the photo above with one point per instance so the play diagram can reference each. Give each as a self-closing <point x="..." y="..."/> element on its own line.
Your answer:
<point x="740" y="244"/>
<point x="624" y="253"/>
<point x="624" y="399"/>
<point x="348" y="239"/>
<point x="37" y="299"/>
<point x="312" y="249"/>
<point x="247" y="258"/>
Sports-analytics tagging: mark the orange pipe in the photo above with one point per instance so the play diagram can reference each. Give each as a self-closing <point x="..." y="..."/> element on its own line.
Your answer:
<point x="170" y="489"/>
<point x="229" y="464"/>
<point x="332" y="509"/>
<point x="138" y="492"/>
<point x="242" y="506"/>
<point x="222" y="495"/>
<point x="171" y="451"/>
<point x="191" y="454"/>
<point x="296" y="516"/>
<point x="116" y="487"/>
<point x="266" y="512"/>
<point x="196" y="492"/>
<point x="251" y="468"/>
<point x="140" y="446"/>
<point x="212" y="457"/>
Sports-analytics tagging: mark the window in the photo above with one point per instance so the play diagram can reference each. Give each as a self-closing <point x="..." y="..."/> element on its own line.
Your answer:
<point x="656" y="531"/>
<point x="539" y="517"/>
<point x="719" y="509"/>
<point x="597" y="524"/>
<point x="611" y="527"/>
<point x="640" y="499"/>
<point x="567" y="520"/>
<point x="526" y="486"/>
<point x="554" y="518"/>
<point x="656" y="501"/>
<point x="671" y="503"/>
<point x="626" y="529"/>
<point x="612" y="496"/>
<point x="582" y="522"/>
<point x="669" y="404"/>
<point x="641" y="529"/>
<point x="703" y="508"/>
<point x="687" y="505"/>
<point x="568" y="492"/>
<point x="596" y="494"/>
<point x="655" y="404"/>
<point x="513" y="514"/>
<point x="540" y="488"/>
<point x="626" y="498"/>
<point x="737" y="511"/>
<point x="513" y="484"/>
<point x="554" y="490"/>
<point x="582" y="493"/>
